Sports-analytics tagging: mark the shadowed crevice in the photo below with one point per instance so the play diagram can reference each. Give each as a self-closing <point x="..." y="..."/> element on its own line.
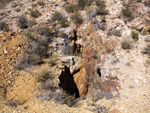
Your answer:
<point x="67" y="82"/>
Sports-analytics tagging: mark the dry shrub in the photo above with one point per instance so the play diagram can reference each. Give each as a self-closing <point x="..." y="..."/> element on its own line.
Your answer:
<point x="22" y="22"/>
<point x="77" y="19"/>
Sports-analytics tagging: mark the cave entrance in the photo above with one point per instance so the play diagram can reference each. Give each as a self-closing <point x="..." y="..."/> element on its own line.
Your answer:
<point x="98" y="71"/>
<point x="67" y="82"/>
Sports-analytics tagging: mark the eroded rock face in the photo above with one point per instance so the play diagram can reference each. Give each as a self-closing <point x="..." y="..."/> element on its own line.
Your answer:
<point x="59" y="45"/>
<point x="86" y="70"/>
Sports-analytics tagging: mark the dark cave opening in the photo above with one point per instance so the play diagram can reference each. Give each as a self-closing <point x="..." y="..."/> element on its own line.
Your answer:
<point x="67" y="82"/>
<point x="98" y="71"/>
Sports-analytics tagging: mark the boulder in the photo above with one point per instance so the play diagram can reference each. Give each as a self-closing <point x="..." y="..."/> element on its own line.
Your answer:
<point x="117" y="32"/>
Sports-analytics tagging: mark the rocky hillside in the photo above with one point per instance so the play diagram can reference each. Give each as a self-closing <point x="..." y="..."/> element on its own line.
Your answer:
<point x="76" y="56"/>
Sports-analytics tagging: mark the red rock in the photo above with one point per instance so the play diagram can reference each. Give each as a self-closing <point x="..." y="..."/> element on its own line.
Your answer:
<point x="109" y="86"/>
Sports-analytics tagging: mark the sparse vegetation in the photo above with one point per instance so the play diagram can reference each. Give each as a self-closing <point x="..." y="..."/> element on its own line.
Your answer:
<point x="64" y="23"/>
<point x="34" y="53"/>
<point x="53" y="59"/>
<point x="127" y="13"/>
<point x="69" y="100"/>
<point x="43" y="76"/>
<point x="144" y="32"/>
<point x="29" y="35"/>
<point x="3" y="3"/>
<point x="103" y="19"/>
<point x="18" y="10"/>
<point x="4" y="26"/>
<point x="64" y="98"/>
<point x="22" y="22"/>
<point x="101" y="7"/>
<point x="83" y="3"/>
<point x="146" y="50"/>
<point x="77" y="19"/>
<point x="35" y="13"/>
<point x="57" y="16"/>
<point x="99" y="109"/>
<point x="89" y="2"/>
<point x="14" y="5"/>
<point x="31" y="23"/>
<point x="71" y="8"/>
<point x="135" y="35"/>
<point x="45" y="31"/>
<point x="126" y="44"/>
<point x="41" y="3"/>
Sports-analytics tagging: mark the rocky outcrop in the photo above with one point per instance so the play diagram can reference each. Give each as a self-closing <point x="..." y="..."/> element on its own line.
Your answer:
<point x="86" y="70"/>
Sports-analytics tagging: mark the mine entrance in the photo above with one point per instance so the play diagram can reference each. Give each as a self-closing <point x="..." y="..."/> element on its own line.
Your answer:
<point x="67" y="82"/>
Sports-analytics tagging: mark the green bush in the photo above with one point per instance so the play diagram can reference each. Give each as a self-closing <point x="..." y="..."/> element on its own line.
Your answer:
<point x="89" y="2"/>
<point x="81" y="4"/>
<point x="45" y="31"/>
<point x="43" y="76"/>
<point x="103" y="19"/>
<point x="126" y="44"/>
<point x="101" y="10"/>
<point x="18" y="10"/>
<point x="14" y="4"/>
<point x="127" y="13"/>
<point x="57" y="16"/>
<point x="77" y="19"/>
<point x="135" y="35"/>
<point x="35" y="13"/>
<point x="64" y="23"/>
<point x="4" y="26"/>
<point x="41" y="3"/>
<point x="61" y="19"/>
<point x="71" y="8"/>
<point x="22" y="22"/>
